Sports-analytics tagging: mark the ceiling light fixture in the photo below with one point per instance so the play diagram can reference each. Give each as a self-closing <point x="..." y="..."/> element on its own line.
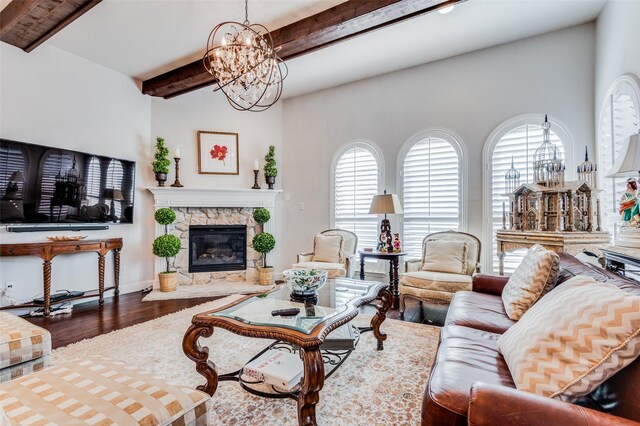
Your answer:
<point x="446" y="9"/>
<point x="245" y="64"/>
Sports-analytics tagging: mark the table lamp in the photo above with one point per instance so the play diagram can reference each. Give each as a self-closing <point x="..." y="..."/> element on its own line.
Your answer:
<point x="628" y="162"/>
<point x="386" y="204"/>
<point x="115" y="195"/>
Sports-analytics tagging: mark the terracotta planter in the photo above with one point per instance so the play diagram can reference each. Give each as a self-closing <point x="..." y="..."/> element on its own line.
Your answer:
<point x="271" y="180"/>
<point x="265" y="276"/>
<point x="168" y="281"/>
<point x="161" y="178"/>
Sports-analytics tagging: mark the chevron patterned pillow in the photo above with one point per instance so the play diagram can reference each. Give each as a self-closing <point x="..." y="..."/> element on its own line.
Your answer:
<point x="534" y="277"/>
<point x="573" y="339"/>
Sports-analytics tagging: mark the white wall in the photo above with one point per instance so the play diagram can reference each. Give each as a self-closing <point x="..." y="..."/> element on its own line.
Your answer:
<point x="617" y="50"/>
<point x="470" y="94"/>
<point x="54" y="98"/>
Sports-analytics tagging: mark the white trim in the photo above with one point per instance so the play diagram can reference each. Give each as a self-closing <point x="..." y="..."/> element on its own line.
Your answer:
<point x="496" y="135"/>
<point x="461" y="150"/>
<point x="357" y="143"/>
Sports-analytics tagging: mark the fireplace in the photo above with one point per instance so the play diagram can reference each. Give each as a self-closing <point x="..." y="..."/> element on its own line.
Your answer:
<point x="217" y="248"/>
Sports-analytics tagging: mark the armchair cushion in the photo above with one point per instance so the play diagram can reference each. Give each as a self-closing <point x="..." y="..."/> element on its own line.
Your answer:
<point x="334" y="269"/>
<point x="445" y="256"/>
<point x="574" y="339"/>
<point x="328" y="248"/>
<point x="536" y="275"/>
<point x="436" y="281"/>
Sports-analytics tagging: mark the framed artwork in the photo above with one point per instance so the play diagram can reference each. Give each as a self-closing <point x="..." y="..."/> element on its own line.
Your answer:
<point x="218" y="153"/>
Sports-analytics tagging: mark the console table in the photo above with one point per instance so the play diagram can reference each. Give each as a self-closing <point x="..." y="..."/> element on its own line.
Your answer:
<point x="50" y="249"/>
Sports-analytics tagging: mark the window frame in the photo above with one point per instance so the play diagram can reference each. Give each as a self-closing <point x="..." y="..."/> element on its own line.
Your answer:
<point x="358" y="143"/>
<point x="459" y="147"/>
<point x="490" y="144"/>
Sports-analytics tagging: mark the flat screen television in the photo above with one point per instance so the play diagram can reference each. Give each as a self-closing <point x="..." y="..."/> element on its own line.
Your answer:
<point x="47" y="185"/>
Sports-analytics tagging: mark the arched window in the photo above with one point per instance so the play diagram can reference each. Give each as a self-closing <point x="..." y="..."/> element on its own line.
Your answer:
<point x="618" y="120"/>
<point x="515" y="139"/>
<point x="55" y="165"/>
<point x="431" y="176"/>
<point x="94" y="176"/>
<point x="115" y="174"/>
<point x="356" y="179"/>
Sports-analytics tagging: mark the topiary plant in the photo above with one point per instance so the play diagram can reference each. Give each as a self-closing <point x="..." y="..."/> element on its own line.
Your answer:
<point x="166" y="246"/>
<point x="165" y="216"/>
<point x="161" y="163"/>
<point x="270" y="168"/>
<point x="261" y="215"/>
<point x="263" y="243"/>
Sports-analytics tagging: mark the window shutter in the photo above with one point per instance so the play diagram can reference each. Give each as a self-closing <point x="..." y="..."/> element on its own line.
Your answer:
<point x="356" y="182"/>
<point x="115" y="175"/>
<point x="520" y="143"/>
<point x="12" y="159"/>
<point x="93" y="181"/>
<point x="56" y="163"/>
<point x="431" y="192"/>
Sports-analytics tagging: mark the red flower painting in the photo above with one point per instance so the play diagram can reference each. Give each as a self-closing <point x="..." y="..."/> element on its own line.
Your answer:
<point x="219" y="153"/>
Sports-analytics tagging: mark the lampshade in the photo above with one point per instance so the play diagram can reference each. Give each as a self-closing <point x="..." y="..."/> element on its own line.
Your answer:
<point x="113" y="194"/>
<point x="628" y="162"/>
<point x="16" y="176"/>
<point x="385" y="204"/>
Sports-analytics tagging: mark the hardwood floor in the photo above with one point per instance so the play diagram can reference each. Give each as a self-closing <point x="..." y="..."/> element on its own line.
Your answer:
<point x="90" y="319"/>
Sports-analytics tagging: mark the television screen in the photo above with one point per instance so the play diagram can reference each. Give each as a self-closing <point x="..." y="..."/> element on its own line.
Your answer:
<point x="42" y="184"/>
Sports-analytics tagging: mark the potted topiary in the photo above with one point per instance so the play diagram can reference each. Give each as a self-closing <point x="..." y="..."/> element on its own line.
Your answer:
<point x="166" y="246"/>
<point x="270" y="169"/>
<point x="263" y="243"/>
<point x="161" y="162"/>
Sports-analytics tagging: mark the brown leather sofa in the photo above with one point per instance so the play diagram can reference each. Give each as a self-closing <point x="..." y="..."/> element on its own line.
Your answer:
<point x="470" y="382"/>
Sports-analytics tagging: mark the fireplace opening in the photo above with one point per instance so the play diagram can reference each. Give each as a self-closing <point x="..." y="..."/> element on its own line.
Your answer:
<point x="217" y="248"/>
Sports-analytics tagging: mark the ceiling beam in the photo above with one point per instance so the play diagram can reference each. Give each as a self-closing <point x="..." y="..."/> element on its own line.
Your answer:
<point x="341" y="22"/>
<point x="29" y="23"/>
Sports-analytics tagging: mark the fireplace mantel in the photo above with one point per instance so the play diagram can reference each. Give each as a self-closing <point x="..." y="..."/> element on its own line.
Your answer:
<point x="209" y="197"/>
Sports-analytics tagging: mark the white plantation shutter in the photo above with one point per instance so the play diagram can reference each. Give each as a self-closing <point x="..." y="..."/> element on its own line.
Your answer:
<point x="55" y="163"/>
<point x="618" y="121"/>
<point x="12" y="159"/>
<point x="356" y="182"/>
<point x="431" y="192"/>
<point x="94" y="175"/>
<point x="115" y="175"/>
<point x="520" y="143"/>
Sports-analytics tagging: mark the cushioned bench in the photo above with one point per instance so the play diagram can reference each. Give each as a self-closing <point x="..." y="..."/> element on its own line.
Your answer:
<point x="24" y="347"/>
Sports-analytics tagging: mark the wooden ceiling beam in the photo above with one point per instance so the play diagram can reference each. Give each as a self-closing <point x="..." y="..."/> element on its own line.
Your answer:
<point x="29" y="23"/>
<point x="339" y="23"/>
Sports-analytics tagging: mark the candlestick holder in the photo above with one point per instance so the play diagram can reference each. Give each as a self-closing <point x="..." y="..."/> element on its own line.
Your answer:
<point x="255" y="180"/>
<point x="177" y="183"/>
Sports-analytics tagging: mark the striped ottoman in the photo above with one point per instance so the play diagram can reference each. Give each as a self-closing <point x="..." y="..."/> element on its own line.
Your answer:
<point x="100" y="391"/>
<point x="24" y="347"/>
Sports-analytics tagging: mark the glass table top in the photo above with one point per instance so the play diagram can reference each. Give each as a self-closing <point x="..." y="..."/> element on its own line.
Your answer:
<point x="333" y="298"/>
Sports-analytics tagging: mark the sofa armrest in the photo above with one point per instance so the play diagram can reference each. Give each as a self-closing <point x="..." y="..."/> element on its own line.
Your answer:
<point x="304" y="257"/>
<point x="489" y="284"/>
<point x="499" y="405"/>
<point x="412" y="265"/>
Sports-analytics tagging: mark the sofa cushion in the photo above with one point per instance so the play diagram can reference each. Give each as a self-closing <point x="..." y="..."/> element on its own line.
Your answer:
<point x="436" y="281"/>
<point x="24" y="368"/>
<point x="465" y="356"/>
<point x="21" y="341"/>
<point x="535" y="276"/>
<point x="333" y="269"/>
<point x="446" y="256"/>
<point x="480" y="311"/>
<point x="328" y="248"/>
<point x="574" y="339"/>
<point x="99" y="390"/>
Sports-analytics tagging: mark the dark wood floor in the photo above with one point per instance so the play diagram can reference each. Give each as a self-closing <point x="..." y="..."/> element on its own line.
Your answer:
<point x="91" y="319"/>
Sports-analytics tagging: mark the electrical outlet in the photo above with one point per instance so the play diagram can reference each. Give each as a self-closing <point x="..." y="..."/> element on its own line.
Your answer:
<point x="8" y="285"/>
<point x="301" y="205"/>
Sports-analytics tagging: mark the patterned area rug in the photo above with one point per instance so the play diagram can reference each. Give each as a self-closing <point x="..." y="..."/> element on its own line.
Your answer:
<point x="371" y="387"/>
<point x="207" y="290"/>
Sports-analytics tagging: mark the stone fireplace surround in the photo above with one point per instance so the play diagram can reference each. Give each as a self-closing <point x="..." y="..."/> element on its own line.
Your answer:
<point x="202" y="206"/>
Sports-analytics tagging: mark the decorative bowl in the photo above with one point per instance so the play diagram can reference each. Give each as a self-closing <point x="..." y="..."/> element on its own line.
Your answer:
<point x="67" y="238"/>
<point x="305" y="281"/>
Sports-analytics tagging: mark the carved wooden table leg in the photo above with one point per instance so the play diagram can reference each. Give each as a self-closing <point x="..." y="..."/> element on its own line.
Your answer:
<point x="116" y="271"/>
<point x="395" y="282"/>
<point x="385" y="303"/>
<point x="312" y="383"/>
<point x="101" y="278"/>
<point x="361" y="267"/>
<point x="200" y="355"/>
<point x="46" y="275"/>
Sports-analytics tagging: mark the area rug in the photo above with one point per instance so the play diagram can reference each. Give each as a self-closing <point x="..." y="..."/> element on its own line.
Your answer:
<point x="206" y="290"/>
<point x="371" y="388"/>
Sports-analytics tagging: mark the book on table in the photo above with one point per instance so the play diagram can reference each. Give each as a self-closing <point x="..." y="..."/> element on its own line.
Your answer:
<point x="277" y="368"/>
<point x="342" y="338"/>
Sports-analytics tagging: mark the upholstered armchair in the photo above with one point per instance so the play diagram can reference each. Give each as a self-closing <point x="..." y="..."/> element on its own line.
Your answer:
<point x="345" y="262"/>
<point x="449" y="259"/>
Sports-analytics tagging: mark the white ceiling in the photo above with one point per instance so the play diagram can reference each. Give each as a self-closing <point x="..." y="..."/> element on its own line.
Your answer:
<point x="144" y="38"/>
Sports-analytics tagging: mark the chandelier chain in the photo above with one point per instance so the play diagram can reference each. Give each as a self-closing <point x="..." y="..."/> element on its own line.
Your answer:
<point x="246" y="12"/>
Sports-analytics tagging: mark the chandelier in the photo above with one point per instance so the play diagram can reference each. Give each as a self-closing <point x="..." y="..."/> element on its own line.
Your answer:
<point x="245" y="65"/>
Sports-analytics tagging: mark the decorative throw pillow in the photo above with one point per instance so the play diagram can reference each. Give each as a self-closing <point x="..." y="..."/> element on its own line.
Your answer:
<point x="328" y="248"/>
<point x="445" y="256"/>
<point x="537" y="272"/>
<point x="573" y="339"/>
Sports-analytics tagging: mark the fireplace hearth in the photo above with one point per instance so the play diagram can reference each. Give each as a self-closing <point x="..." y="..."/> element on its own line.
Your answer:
<point x="215" y="248"/>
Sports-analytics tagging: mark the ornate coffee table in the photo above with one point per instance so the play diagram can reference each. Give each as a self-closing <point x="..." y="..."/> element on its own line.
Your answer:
<point x="338" y="303"/>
